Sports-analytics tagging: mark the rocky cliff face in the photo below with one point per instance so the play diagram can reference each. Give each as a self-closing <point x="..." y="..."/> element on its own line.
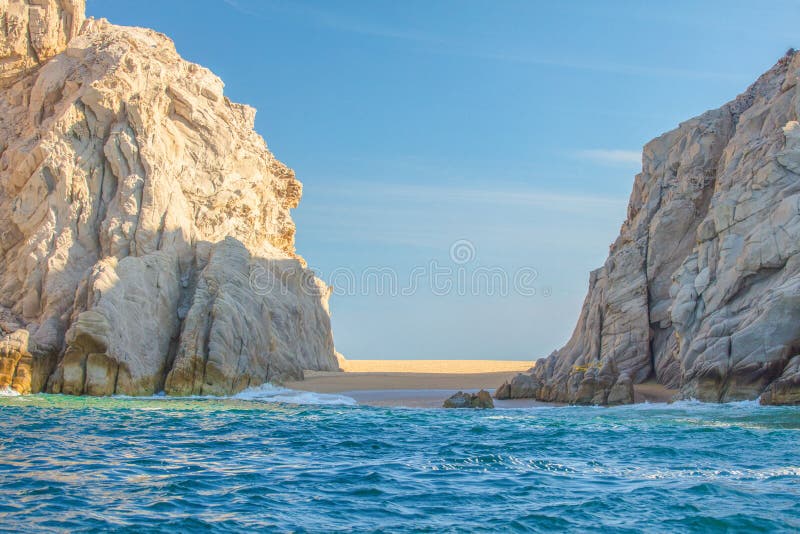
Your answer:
<point x="701" y="290"/>
<point x="145" y="236"/>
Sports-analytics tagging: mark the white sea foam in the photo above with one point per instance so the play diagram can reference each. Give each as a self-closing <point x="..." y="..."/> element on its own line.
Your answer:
<point x="263" y="393"/>
<point x="271" y="393"/>
<point x="8" y="392"/>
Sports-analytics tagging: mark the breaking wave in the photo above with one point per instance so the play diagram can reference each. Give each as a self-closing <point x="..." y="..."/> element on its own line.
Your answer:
<point x="272" y="393"/>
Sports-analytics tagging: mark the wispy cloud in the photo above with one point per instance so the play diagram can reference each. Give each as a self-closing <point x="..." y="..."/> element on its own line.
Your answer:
<point x="611" y="156"/>
<point x="554" y="201"/>
<point x="237" y="6"/>
<point x="430" y="216"/>
<point x="435" y="44"/>
<point x="600" y="65"/>
<point x="329" y="19"/>
<point x="351" y="25"/>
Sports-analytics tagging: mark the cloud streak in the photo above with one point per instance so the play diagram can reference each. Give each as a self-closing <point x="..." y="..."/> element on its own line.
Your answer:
<point x="611" y="156"/>
<point x="429" y="217"/>
<point x="599" y="65"/>
<point x="236" y="6"/>
<point x="434" y="44"/>
<point x="554" y="201"/>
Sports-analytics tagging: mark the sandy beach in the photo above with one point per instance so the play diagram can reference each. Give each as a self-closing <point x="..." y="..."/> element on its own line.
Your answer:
<point x="427" y="383"/>
<point x="413" y="383"/>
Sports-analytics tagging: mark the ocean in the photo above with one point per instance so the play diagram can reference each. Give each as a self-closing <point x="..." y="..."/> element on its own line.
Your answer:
<point x="277" y="460"/>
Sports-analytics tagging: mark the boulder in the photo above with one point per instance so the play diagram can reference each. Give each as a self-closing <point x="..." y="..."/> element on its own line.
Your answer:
<point x="521" y="386"/>
<point x="481" y="399"/>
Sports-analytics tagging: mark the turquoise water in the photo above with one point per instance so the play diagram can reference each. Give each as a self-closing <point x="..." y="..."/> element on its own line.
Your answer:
<point x="250" y="463"/>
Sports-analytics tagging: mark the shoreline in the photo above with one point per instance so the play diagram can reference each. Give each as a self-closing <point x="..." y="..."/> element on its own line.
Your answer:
<point x="427" y="383"/>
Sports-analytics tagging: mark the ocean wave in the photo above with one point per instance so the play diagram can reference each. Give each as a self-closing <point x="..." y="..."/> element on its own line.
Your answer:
<point x="8" y="392"/>
<point x="272" y="393"/>
<point x="263" y="393"/>
<point x="245" y="463"/>
<point x="689" y="404"/>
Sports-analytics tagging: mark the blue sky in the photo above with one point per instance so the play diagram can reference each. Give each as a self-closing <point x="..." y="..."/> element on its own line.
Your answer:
<point x="513" y="126"/>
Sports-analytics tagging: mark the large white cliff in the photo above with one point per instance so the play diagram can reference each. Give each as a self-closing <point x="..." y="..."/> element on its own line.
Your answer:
<point x="701" y="290"/>
<point x="146" y="243"/>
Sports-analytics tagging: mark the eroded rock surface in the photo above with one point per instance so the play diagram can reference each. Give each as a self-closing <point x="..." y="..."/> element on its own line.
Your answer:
<point x="146" y="242"/>
<point x="31" y="32"/>
<point x="786" y="389"/>
<point x="701" y="290"/>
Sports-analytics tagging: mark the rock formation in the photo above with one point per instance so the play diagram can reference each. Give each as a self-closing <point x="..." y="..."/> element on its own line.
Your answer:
<point x="481" y="399"/>
<point x="145" y="237"/>
<point x="701" y="290"/>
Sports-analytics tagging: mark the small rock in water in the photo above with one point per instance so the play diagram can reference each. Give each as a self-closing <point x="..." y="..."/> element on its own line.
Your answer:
<point x="481" y="399"/>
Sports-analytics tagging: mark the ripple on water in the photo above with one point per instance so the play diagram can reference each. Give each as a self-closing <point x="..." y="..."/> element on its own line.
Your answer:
<point x="263" y="462"/>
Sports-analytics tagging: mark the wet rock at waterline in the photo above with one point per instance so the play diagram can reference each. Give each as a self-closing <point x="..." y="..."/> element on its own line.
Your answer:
<point x="481" y="399"/>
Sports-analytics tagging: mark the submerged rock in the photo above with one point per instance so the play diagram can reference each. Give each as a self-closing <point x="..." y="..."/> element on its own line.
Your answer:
<point x="146" y="242"/>
<point x="481" y="399"/>
<point x="701" y="290"/>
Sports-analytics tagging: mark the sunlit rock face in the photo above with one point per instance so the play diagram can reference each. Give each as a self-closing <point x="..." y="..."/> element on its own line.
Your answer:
<point x="146" y="243"/>
<point x="31" y="32"/>
<point x="701" y="290"/>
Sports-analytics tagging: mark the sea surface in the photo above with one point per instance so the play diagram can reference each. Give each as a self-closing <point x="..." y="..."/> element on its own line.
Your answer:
<point x="277" y="460"/>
